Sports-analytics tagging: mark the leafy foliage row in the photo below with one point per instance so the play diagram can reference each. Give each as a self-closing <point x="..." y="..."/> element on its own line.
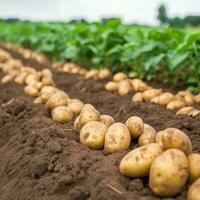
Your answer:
<point x="167" y="54"/>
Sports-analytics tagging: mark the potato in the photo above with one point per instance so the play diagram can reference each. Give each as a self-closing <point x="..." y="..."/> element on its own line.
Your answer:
<point x="124" y="87"/>
<point x="111" y="86"/>
<point x="150" y="94"/>
<point x="31" y="91"/>
<point x="57" y="99"/>
<point x="104" y="73"/>
<point x="165" y="98"/>
<point x="175" y="104"/>
<point x="135" y="125"/>
<point x="137" y="162"/>
<point x="92" y="74"/>
<point x="155" y="100"/>
<point x="138" y="85"/>
<point x="197" y="98"/>
<point x="88" y="106"/>
<point x="189" y="99"/>
<point x="38" y="100"/>
<point x="194" y="191"/>
<point x="31" y="78"/>
<point x="77" y="125"/>
<point x="194" y="166"/>
<point x="119" y="77"/>
<point x="117" y="138"/>
<point x="46" y="73"/>
<point x="75" y="105"/>
<point x="174" y="138"/>
<point x="62" y="114"/>
<point x="47" y="89"/>
<point x="194" y="112"/>
<point x="82" y="72"/>
<point x="6" y="79"/>
<point x="148" y="136"/>
<point x="47" y="81"/>
<point x="168" y="173"/>
<point x="92" y="134"/>
<point x="107" y="120"/>
<point x="138" y="97"/>
<point x="184" y="110"/>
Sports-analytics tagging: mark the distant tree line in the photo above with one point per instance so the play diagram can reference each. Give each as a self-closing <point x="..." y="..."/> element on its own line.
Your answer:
<point x="176" y="21"/>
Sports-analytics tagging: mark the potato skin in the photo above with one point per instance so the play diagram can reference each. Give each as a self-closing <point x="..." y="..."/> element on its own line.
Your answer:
<point x="111" y="86"/>
<point x="194" y="166"/>
<point x="75" y="105"/>
<point x="194" y="191"/>
<point x="107" y="120"/>
<point x="117" y="138"/>
<point x="124" y="87"/>
<point x="138" y="97"/>
<point x="150" y="94"/>
<point x="119" y="77"/>
<point x="148" y="136"/>
<point x="168" y="173"/>
<point x="174" y="138"/>
<point x="135" y="125"/>
<point x="137" y="162"/>
<point x="92" y="134"/>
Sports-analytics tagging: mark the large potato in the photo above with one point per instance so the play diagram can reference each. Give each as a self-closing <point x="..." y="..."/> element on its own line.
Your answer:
<point x="174" y="138"/>
<point x="117" y="138"/>
<point x="92" y="134"/>
<point x="194" y="166"/>
<point x="62" y="114"/>
<point x="168" y="173"/>
<point x="107" y="120"/>
<point x="119" y="77"/>
<point x="124" y="87"/>
<point x="194" y="191"/>
<point x="148" y="136"/>
<point x="135" y="125"/>
<point x="138" y="161"/>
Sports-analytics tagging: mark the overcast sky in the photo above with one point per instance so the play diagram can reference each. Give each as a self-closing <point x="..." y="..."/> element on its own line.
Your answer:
<point x="142" y="11"/>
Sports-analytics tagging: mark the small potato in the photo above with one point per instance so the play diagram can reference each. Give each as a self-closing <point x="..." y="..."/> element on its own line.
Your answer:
<point x="124" y="87"/>
<point x="137" y="162"/>
<point x="92" y="74"/>
<point x="47" y="73"/>
<point x="38" y="100"/>
<point x="77" y="125"/>
<point x="62" y="114"/>
<point x="194" y="112"/>
<point x="75" y="105"/>
<point x="138" y="97"/>
<point x="150" y="94"/>
<point x="165" y="98"/>
<point x="138" y="85"/>
<point x="6" y="79"/>
<point x="175" y="104"/>
<point x="148" y="136"/>
<point x="156" y="100"/>
<point x="197" y="98"/>
<point x="31" y="78"/>
<point x="58" y="99"/>
<point x="168" y="173"/>
<point x="194" y="166"/>
<point x="189" y="99"/>
<point x="87" y="107"/>
<point x="119" y="77"/>
<point x="174" y="138"/>
<point x="184" y="110"/>
<point x="107" y="120"/>
<point x="135" y="125"/>
<point x="92" y="134"/>
<point x="117" y="138"/>
<point x="47" y="89"/>
<point x="31" y="91"/>
<point x="47" y="81"/>
<point x="111" y="86"/>
<point x="104" y="73"/>
<point x="194" y="191"/>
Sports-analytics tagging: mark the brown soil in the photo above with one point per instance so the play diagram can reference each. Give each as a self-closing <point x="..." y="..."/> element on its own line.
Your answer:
<point x="43" y="160"/>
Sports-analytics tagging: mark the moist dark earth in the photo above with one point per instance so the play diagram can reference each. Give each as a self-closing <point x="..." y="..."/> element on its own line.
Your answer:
<point x="43" y="160"/>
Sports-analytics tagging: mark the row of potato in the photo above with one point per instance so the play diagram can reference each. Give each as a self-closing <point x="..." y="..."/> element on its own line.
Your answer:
<point x="181" y="101"/>
<point x="165" y="156"/>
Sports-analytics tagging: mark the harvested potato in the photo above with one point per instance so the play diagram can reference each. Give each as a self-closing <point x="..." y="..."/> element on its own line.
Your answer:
<point x="138" y="85"/>
<point x="194" y="191"/>
<point x="135" y="125"/>
<point x="77" y="125"/>
<point x="137" y="162"/>
<point x="31" y="91"/>
<point x="138" y="97"/>
<point x="92" y="134"/>
<point x="62" y="114"/>
<point x="119" y="77"/>
<point x="194" y="166"/>
<point x="57" y="99"/>
<point x="111" y="86"/>
<point x="168" y="173"/>
<point x="6" y="79"/>
<point x="175" y="104"/>
<point x="150" y="94"/>
<point x="124" y="87"/>
<point x="31" y="78"/>
<point x="197" y="98"/>
<point x="148" y="136"/>
<point x="92" y="74"/>
<point x="38" y="100"/>
<point x="184" y="110"/>
<point x="187" y="96"/>
<point x="155" y="100"/>
<point x="117" y="138"/>
<point x="47" y="89"/>
<point x="46" y="73"/>
<point x="194" y="112"/>
<point x="107" y="120"/>
<point x="174" y="138"/>
<point x="165" y="98"/>
<point x="75" y="105"/>
<point x="47" y="81"/>
<point x="104" y="73"/>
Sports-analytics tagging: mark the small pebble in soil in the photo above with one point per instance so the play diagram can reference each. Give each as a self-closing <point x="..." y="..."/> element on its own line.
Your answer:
<point x="135" y="185"/>
<point x="54" y="147"/>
